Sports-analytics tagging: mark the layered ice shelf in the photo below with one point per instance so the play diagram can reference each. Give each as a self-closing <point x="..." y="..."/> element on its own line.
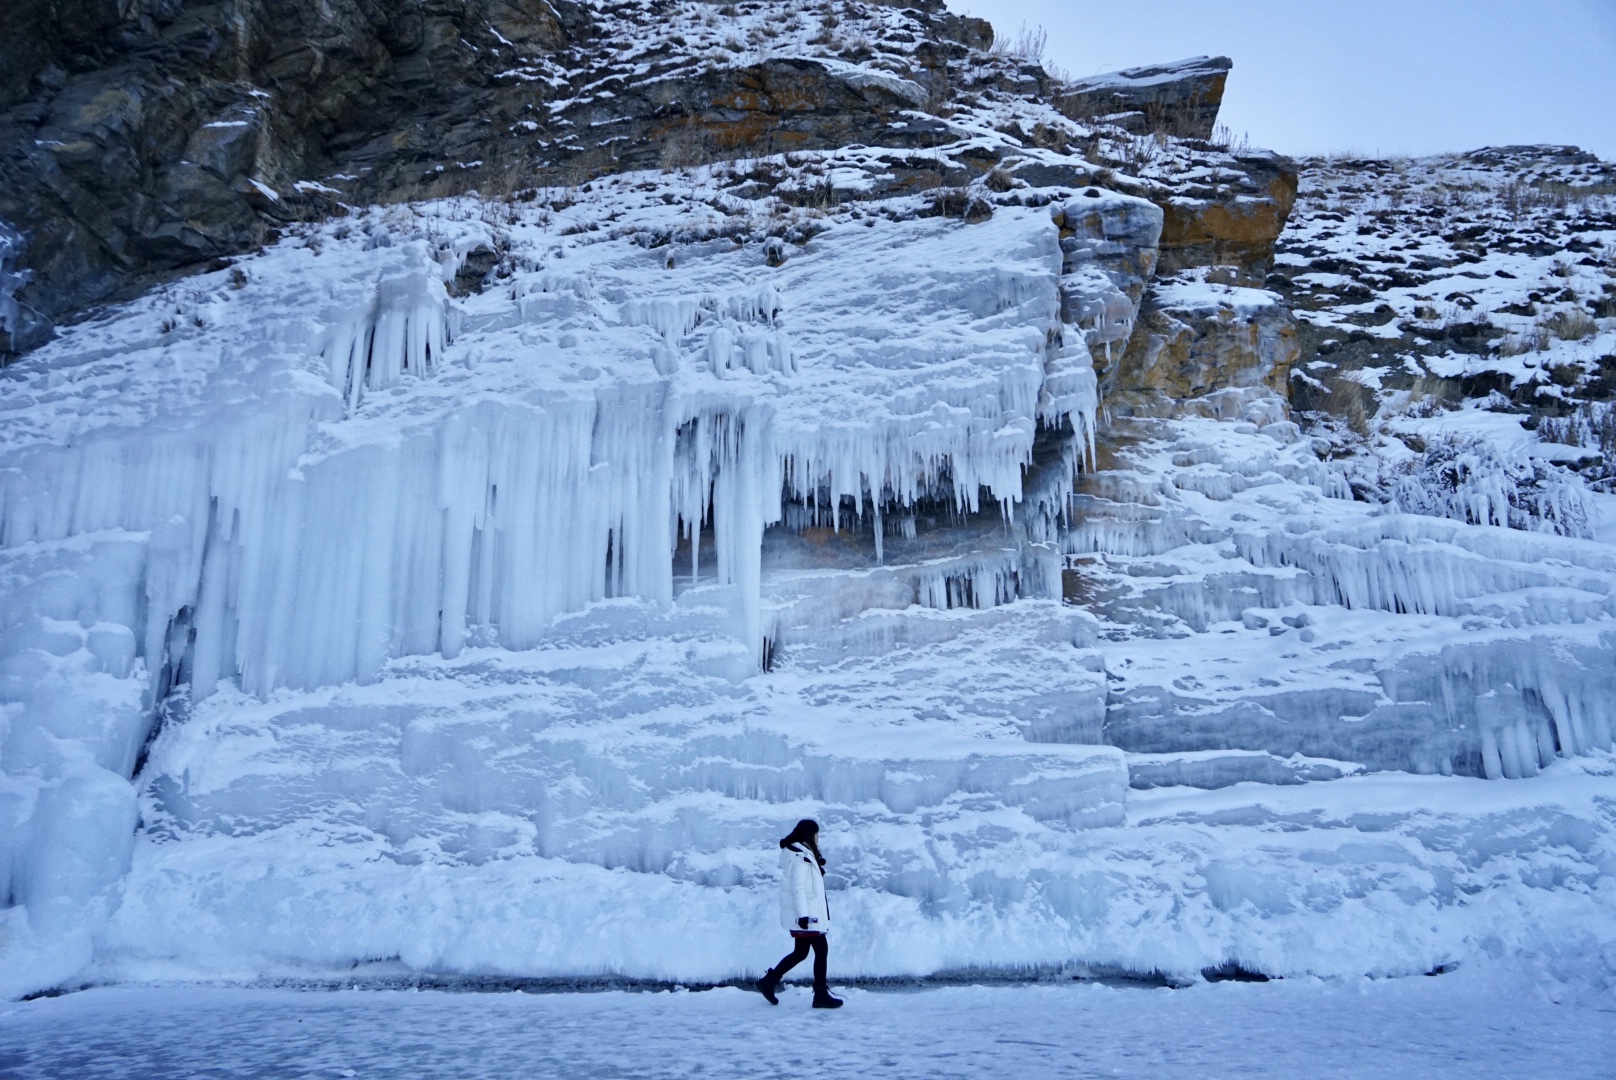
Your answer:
<point x="1304" y="623"/>
<point x="607" y="804"/>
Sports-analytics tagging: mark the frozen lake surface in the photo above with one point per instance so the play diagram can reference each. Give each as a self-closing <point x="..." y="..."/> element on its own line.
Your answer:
<point x="1459" y="1025"/>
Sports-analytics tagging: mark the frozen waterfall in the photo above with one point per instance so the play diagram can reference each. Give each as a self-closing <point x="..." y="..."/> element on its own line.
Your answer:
<point x="554" y="453"/>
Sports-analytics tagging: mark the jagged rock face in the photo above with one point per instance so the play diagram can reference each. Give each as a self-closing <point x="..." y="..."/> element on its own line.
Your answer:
<point x="144" y="137"/>
<point x="1220" y="210"/>
<point x="159" y="135"/>
<point x="777" y="106"/>
<point x="1211" y="228"/>
<point x="1109" y="248"/>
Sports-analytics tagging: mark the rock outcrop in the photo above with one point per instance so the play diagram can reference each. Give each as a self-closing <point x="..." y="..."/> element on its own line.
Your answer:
<point x="1109" y="247"/>
<point x="1196" y="339"/>
<point x="1179" y="99"/>
<point x="151" y="138"/>
<point x="1232" y="221"/>
<point x="140" y="138"/>
<point x="156" y="139"/>
<point x="143" y="137"/>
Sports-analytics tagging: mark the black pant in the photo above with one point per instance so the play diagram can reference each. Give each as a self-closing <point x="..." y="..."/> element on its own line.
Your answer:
<point x="805" y="941"/>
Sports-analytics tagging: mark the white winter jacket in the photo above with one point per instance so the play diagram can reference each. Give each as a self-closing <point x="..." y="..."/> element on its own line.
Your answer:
<point x="802" y="890"/>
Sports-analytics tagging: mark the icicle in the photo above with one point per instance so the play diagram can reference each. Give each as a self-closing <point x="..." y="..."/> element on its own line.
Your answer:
<point x="880" y="558"/>
<point x="401" y="328"/>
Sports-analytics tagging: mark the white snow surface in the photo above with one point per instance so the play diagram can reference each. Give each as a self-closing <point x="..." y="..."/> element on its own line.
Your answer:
<point x="503" y="633"/>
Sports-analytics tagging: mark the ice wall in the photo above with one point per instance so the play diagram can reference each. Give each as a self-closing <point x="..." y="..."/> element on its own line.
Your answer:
<point x="443" y="622"/>
<point x="1267" y="614"/>
<point x="288" y="474"/>
<point x="446" y="484"/>
<point x="75" y="710"/>
<point x="401" y="330"/>
<point x="523" y="812"/>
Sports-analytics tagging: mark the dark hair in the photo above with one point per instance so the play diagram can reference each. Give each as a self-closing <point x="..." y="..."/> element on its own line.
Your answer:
<point x="807" y="834"/>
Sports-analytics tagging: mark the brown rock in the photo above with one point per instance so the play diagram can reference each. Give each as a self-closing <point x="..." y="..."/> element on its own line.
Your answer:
<point x="527" y="22"/>
<point x="1193" y="340"/>
<point x="1234" y="228"/>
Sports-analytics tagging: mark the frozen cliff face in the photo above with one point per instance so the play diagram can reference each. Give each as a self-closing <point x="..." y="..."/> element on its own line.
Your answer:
<point x="481" y="584"/>
<point x="471" y="617"/>
<point x="1393" y="641"/>
<point x="335" y="483"/>
<point x="140" y="138"/>
<point x="290" y="474"/>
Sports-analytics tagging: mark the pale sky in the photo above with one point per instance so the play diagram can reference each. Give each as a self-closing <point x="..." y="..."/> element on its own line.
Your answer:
<point x="1371" y="76"/>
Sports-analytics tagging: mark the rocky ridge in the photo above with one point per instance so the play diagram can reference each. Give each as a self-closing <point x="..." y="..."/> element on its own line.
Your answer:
<point x="159" y="138"/>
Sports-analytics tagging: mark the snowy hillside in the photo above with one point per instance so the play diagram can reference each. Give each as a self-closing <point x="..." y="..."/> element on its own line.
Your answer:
<point x="479" y="584"/>
<point x="1434" y="288"/>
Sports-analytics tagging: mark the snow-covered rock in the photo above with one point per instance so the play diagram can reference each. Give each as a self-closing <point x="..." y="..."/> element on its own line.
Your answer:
<point x="1181" y="98"/>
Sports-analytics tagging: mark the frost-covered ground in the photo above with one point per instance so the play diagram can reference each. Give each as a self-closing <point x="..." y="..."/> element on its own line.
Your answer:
<point x="1460" y="1025"/>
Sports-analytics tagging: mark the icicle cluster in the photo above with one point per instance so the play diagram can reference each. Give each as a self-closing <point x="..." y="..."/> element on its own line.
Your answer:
<point x="742" y="332"/>
<point x="302" y="536"/>
<point x="401" y="330"/>
<point x="1467" y="479"/>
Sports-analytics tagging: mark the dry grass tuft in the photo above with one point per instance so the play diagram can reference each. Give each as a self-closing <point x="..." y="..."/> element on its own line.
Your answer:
<point x="1027" y="44"/>
<point x="1570" y="324"/>
<point x="1566" y="324"/>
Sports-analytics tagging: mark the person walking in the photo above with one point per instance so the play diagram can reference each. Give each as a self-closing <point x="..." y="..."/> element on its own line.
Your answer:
<point x="804" y="912"/>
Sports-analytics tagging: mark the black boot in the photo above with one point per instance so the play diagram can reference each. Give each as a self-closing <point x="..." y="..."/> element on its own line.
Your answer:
<point x="824" y="1000"/>
<point x="767" y="985"/>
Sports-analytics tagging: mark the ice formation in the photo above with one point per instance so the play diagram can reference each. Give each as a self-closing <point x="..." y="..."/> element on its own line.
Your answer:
<point x="11" y="278"/>
<point x="465" y="630"/>
<point x="586" y="427"/>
